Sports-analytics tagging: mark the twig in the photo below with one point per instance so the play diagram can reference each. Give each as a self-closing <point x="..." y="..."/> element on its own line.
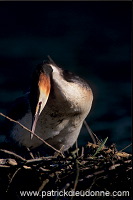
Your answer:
<point x="100" y="146"/>
<point x="95" y="174"/>
<point x="30" y="132"/>
<point x="57" y="154"/>
<point x="5" y="166"/>
<point x="93" y="182"/>
<point x="82" y="152"/>
<point x="91" y="133"/>
<point x="14" y="154"/>
<point x="31" y="154"/>
<point x="77" y="147"/>
<point x="114" y="166"/>
<point x="125" y="147"/>
<point x="77" y="177"/>
<point x="43" y="185"/>
<point x="12" y="179"/>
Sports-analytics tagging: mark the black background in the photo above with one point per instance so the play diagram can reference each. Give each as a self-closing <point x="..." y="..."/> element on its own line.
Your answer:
<point x="92" y="39"/>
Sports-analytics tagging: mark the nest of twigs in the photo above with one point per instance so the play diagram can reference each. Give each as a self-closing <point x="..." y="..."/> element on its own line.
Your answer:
<point x="87" y="169"/>
<point x="93" y="171"/>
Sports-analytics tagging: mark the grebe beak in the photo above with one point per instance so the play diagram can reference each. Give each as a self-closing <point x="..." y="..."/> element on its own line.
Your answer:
<point x="44" y="91"/>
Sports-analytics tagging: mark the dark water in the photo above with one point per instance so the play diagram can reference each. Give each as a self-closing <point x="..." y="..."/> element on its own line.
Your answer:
<point x="92" y="39"/>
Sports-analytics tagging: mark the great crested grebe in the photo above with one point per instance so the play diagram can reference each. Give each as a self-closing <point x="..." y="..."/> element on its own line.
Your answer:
<point x="55" y="108"/>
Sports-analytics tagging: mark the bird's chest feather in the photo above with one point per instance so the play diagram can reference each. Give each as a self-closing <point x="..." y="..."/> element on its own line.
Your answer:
<point x="55" y="118"/>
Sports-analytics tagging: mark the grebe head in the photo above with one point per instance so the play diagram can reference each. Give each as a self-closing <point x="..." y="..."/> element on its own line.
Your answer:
<point x="66" y="87"/>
